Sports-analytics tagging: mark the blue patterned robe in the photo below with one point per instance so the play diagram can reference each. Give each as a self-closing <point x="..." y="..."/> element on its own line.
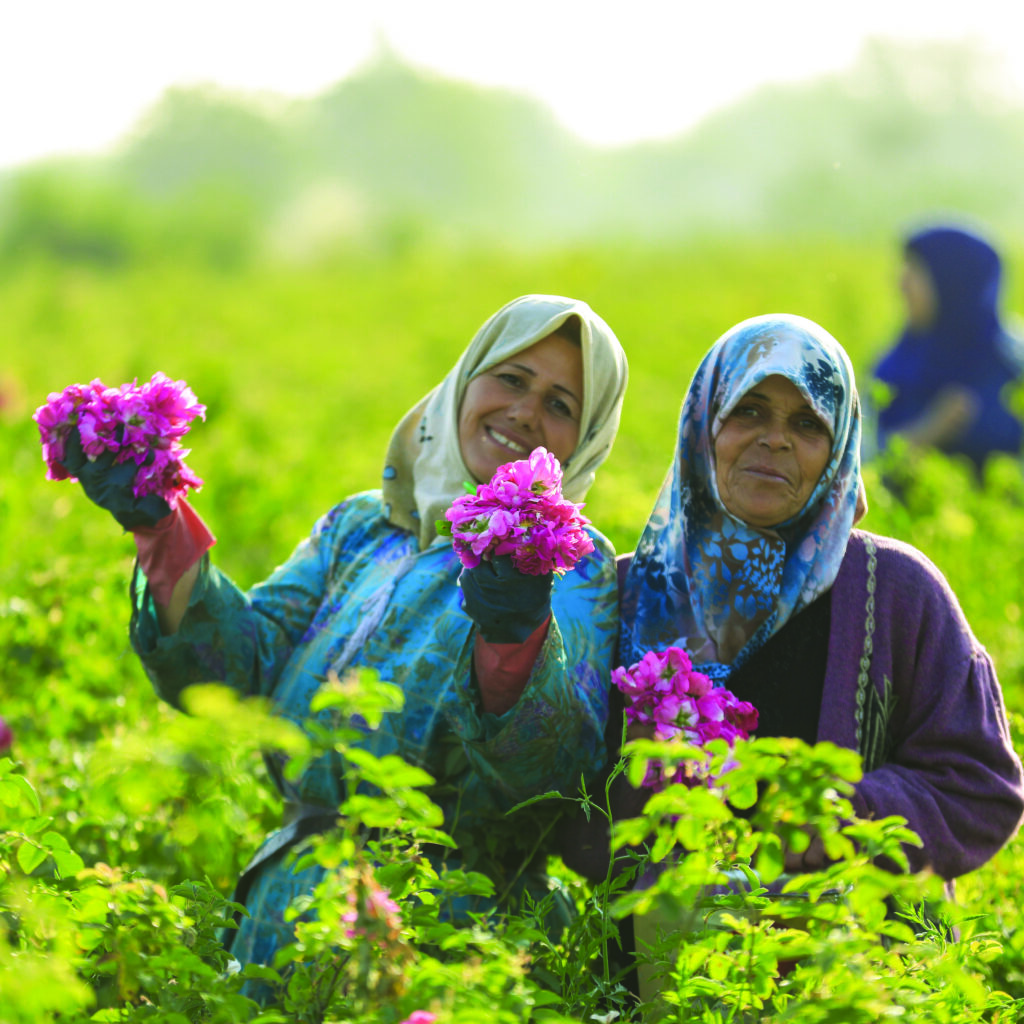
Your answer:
<point x="282" y="637"/>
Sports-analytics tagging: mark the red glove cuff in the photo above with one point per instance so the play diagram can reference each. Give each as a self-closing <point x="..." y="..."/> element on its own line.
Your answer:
<point x="170" y="548"/>
<point x="503" y="670"/>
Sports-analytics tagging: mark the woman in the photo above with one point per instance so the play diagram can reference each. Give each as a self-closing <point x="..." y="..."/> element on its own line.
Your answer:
<point x="951" y="367"/>
<point x="505" y="676"/>
<point x="750" y="561"/>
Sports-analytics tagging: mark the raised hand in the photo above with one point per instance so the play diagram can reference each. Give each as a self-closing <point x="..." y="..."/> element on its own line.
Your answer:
<point x="109" y="485"/>
<point x="507" y="605"/>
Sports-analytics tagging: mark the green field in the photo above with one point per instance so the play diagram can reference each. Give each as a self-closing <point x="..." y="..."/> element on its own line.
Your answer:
<point x="305" y="371"/>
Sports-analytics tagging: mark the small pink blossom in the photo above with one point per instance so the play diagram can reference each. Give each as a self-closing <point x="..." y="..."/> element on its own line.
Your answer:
<point x="520" y="512"/>
<point x="664" y="690"/>
<point x="140" y="423"/>
<point x="6" y="737"/>
<point x="370" y="911"/>
<point x="420" y="1017"/>
<point x="538" y="476"/>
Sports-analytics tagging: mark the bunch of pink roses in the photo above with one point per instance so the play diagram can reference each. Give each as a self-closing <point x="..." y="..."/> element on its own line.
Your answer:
<point x="520" y="512"/>
<point x="142" y="423"/>
<point x="664" y="690"/>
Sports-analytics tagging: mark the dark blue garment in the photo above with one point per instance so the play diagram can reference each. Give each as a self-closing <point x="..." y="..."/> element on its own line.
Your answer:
<point x="965" y="346"/>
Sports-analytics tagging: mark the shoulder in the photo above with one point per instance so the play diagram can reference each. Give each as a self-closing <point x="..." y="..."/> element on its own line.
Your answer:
<point x="359" y="514"/>
<point x="603" y="547"/>
<point x="895" y="557"/>
<point x="901" y="578"/>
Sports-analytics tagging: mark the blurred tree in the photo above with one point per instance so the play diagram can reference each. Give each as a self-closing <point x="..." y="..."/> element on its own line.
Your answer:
<point x="393" y="158"/>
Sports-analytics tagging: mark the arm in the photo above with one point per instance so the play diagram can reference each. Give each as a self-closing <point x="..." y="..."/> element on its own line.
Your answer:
<point x="225" y="635"/>
<point x="169" y="552"/>
<point x="170" y="614"/>
<point x="503" y="670"/>
<point x="553" y="733"/>
<point x="511" y="611"/>
<point x="945" y="418"/>
<point x="951" y="771"/>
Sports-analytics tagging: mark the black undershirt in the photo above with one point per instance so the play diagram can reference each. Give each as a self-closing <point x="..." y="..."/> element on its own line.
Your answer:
<point x="785" y="678"/>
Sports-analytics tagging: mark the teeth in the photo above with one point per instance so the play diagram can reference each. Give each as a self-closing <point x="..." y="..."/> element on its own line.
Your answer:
<point x="507" y="441"/>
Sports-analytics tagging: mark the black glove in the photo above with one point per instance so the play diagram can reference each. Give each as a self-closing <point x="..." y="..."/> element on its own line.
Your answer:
<point x="507" y="605"/>
<point x="110" y="486"/>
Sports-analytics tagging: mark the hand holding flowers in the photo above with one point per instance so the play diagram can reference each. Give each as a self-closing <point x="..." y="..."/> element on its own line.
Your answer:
<point x="664" y="692"/>
<point x="122" y="444"/>
<point x="512" y="536"/>
<point x="520" y="512"/>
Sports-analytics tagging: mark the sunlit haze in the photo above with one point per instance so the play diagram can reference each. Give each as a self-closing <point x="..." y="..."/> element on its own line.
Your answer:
<point x="75" y="77"/>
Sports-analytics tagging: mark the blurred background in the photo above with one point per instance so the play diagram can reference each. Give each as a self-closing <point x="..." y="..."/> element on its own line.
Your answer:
<point x="306" y="211"/>
<point x="226" y="132"/>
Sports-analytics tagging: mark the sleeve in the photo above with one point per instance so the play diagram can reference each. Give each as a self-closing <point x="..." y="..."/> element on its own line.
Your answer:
<point x="554" y="733"/>
<point x="583" y="839"/>
<point x="951" y="770"/>
<point x="228" y="636"/>
<point x="503" y="670"/>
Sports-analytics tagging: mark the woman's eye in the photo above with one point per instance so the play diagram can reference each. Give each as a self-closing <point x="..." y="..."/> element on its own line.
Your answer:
<point x="560" y="407"/>
<point x="812" y="425"/>
<point x="513" y="380"/>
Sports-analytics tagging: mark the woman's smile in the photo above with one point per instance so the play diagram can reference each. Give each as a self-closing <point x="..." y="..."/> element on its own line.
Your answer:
<point x="506" y="441"/>
<point x="767" y="473"/>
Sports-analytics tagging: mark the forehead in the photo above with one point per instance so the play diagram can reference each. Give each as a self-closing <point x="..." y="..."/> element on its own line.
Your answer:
<point x="779" y="389"/>
<point x="554" y="354"/>
<point x="796" y="367"/>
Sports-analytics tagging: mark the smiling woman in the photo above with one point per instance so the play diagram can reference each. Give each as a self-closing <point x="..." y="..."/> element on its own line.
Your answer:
<point x="504" y="674"/>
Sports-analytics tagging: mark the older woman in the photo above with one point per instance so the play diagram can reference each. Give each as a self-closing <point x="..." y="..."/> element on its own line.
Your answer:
<point x="750" y="561"/>
<point x="505" y="676"/>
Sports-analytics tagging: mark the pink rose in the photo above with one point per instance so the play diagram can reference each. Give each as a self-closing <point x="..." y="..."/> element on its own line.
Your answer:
<point x="6" y="737"/>
<point x="141" y="423"/>
<point x="665" y="690"/>
<point x="520" y="513"/>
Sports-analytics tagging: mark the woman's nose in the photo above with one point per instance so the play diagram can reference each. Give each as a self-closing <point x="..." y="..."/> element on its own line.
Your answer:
<point x="526" y="409"/>
<point x="775" y="434"/>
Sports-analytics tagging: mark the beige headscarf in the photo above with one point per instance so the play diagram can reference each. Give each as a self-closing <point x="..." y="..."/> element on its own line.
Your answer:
<point x="424" y="470"/>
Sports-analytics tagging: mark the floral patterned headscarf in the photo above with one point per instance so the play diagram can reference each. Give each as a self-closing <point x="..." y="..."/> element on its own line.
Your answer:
<point x="424" y="470"/>
<point x="701" y="578"/>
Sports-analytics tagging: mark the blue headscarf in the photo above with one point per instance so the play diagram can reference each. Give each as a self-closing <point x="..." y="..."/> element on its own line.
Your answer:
<point x="965" y="345"/>
<point x="704" y="580"/>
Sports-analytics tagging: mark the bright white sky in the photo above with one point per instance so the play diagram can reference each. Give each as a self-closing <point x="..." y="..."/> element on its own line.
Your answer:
<point x="76" y="74"/>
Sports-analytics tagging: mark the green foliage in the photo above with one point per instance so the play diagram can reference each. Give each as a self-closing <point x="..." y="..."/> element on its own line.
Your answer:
<point x="124" y="824"/>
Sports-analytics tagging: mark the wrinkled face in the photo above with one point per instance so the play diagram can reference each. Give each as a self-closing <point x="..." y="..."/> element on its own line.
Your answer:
<point x="533" y="398"/>
<point x="770" y="453"/>
<point x="918" y="292"/>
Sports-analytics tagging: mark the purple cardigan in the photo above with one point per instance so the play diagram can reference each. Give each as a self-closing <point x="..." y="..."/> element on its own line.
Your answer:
<point x="951" y="770"/>
<point x="948" y="765"/>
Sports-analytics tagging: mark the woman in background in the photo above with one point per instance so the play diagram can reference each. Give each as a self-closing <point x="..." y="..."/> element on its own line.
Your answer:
<point x="950" y="370"/>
